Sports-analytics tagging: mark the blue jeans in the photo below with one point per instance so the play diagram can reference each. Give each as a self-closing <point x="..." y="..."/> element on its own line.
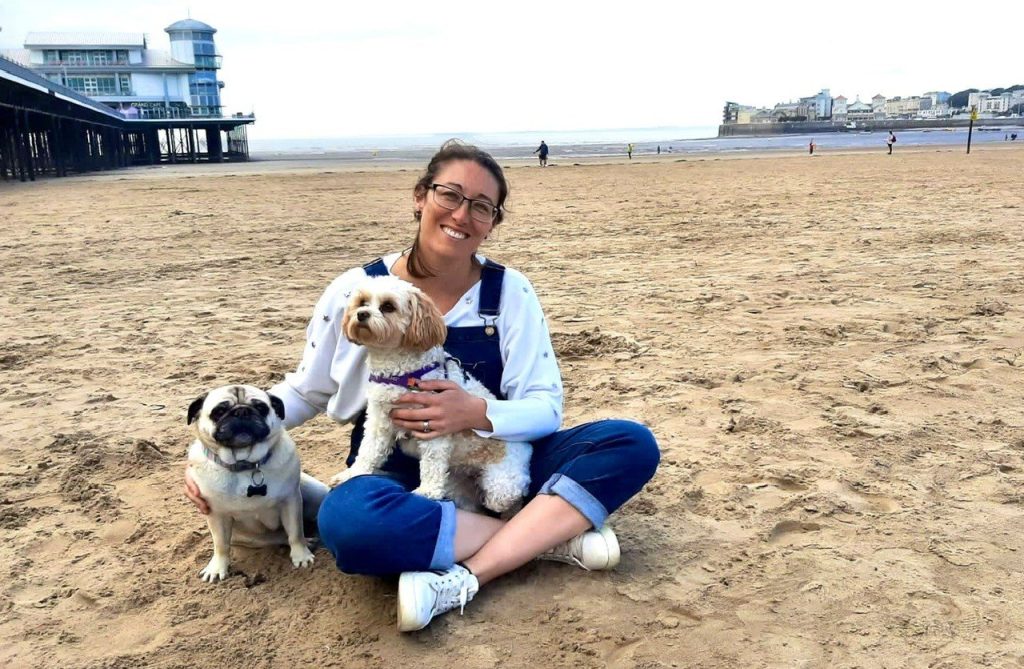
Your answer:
<point x="373" y="525"/>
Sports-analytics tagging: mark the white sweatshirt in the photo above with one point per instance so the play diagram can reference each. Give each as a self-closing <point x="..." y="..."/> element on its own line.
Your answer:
<point x="333" y="377"/>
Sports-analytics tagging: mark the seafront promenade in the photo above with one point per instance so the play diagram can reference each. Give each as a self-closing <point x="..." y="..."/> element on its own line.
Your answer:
<point x="810" y="127"/>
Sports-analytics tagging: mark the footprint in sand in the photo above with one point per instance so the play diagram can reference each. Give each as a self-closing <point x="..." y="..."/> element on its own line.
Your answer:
<point x="783" y="530"/>
<point x="859" y="501"/>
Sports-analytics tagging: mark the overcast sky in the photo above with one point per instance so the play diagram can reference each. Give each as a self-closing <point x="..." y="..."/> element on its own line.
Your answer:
<point x="336" y="69"/>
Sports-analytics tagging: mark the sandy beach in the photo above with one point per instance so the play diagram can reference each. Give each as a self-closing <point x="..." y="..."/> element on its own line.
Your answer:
<point x="830" y="351"/>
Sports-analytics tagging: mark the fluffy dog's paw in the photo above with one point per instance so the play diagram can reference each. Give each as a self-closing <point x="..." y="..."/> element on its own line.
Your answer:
<point x="501" y="503"/>
<point x="429" y="493"/>
<point x="345" y="475"/>
<point x="301" y="556"/>
<point x="217" y="570"/>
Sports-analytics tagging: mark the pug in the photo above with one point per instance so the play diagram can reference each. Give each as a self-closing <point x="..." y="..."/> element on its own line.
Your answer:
<point x="247" y="469"/>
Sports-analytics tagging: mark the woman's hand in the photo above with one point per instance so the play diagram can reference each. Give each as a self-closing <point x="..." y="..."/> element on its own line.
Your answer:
<point x="445" y="407"/>
<point x="192" y="492"/>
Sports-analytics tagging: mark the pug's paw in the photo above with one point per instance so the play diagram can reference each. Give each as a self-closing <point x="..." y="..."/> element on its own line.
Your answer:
<point x="301" y="556"/>
<point x="216" y="570"/>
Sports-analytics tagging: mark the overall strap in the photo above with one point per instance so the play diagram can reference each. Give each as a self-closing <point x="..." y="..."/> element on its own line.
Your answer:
<point x="491" y="276"/>
<point x="376" y="268"/>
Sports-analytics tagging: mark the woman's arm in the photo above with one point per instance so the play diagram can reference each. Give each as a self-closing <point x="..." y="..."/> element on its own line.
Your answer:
<point x="531" y="381"/>
<point x="307" y="391"/>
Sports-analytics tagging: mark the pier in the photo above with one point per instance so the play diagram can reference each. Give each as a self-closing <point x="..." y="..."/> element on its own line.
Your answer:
<point x="50" y="130"/>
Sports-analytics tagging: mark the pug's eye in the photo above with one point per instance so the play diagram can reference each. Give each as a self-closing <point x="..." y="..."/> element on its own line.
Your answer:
<point x="387" y="307"/>
<point x="218" y="411"/>
<point x="262" y="409"/>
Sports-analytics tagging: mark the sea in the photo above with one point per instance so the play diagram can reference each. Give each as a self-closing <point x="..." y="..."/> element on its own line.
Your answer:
<point x="606" y="143"/>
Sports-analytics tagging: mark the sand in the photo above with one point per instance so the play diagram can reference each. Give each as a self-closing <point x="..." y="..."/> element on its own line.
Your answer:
<point x="830" y="351"/>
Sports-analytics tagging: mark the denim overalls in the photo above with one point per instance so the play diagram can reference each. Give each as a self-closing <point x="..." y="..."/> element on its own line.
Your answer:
<point x="374" y="525"/>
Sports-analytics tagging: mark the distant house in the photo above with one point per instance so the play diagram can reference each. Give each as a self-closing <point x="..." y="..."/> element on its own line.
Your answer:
<point x="839" y="108"/>
<point x="121" y="71"/>
<point x="878" y="107"/>
<point x="858" y="111"/>
<point x="987" y="103"/>
<point x="789" y="111"/>
<point x="904" y="108"/>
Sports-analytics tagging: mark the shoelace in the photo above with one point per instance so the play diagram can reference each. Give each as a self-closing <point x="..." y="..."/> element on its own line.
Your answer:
<point x="441" y="590"/>
<point x="570" y="549"/>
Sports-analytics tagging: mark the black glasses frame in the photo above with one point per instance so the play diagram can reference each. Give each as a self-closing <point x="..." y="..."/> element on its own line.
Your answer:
<point x="463" y="198"/>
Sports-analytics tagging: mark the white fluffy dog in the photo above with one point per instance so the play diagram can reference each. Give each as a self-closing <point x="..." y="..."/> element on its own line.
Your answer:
<point x="403" y="331"/>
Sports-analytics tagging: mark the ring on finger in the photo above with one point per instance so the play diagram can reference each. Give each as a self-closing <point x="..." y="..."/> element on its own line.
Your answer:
<point x="426" y="426"/>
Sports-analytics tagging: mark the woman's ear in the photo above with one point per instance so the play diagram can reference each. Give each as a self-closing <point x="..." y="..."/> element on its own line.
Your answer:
<point x="426" y="324"/>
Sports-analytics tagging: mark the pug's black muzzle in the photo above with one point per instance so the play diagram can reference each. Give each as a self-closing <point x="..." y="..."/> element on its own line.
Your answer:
<point x="241" y="427"/>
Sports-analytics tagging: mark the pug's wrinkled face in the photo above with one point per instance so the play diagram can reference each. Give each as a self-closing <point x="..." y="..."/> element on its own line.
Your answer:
<point x="236" y="416"/>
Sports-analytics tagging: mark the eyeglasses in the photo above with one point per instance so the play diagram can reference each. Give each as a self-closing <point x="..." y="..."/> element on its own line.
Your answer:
<point x="480" y="210"/>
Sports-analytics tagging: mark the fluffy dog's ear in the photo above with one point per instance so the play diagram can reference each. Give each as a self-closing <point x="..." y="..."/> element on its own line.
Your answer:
<point x="350" y="313"/>
<point x="278" y="405"/>
<point x="426" y="324"/>
<point x="195" y="408"/>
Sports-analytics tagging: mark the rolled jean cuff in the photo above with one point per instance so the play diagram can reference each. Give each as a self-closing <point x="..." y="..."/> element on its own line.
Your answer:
<point x="577" y="496"/>
<point x="444" y="549"/>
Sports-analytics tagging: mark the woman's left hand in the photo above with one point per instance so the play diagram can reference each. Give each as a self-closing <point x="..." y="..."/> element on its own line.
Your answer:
<point x="443" y="406"/>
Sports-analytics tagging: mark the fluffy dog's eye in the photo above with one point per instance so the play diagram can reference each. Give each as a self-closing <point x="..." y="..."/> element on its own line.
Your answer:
<point x="363" y="302"/>
<point x="388" y="307"/>
<point x="218" y="411"/>
<point x="261" y="408"/>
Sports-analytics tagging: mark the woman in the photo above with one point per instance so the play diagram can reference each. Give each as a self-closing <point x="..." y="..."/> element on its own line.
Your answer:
<point x="374" y="524"/>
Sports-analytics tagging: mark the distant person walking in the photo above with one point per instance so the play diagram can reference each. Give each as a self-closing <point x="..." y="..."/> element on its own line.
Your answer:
<point x="659" y="149"/>
<point x="810" y="147"/>
<point x="889" y="142"/>
<point x="542" y="153"/>
<point x="629" y="151"/>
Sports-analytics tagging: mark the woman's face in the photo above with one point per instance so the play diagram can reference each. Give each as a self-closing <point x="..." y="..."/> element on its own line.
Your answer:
<point x="455" y="234"/>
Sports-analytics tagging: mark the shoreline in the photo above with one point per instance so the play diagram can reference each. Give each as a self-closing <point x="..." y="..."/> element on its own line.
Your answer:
<point x="327" y="164"/>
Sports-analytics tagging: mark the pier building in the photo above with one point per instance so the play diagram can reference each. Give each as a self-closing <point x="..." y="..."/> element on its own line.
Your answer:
<point x="81" y="101"/>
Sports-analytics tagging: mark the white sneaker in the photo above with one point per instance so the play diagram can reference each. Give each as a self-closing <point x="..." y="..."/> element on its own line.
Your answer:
<point x="425" y="594"/>
<point x="593" y="550"/>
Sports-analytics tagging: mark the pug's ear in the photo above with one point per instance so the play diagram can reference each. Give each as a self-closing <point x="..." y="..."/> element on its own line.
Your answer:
<point x="195" y="408"/>
<point x="278" y="405"/>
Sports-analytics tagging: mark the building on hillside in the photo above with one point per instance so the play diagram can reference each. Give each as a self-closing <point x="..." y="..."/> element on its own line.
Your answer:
<point x="987" y="103"/>
<point x="937" y="97"/>
<point x="903" y="108"/>
<point x="122" y="72"/>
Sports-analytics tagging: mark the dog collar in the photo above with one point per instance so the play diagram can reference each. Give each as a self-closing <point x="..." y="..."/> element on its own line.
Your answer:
<point x="407" y="380"/>
<point x="238" y="465"/>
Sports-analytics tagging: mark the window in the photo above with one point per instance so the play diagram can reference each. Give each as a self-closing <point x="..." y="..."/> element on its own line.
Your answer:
<point x="74" y="57"/>
<point x="126" y="84"/>
<point x="100" y="58"/>
<point x="52" y="56"/>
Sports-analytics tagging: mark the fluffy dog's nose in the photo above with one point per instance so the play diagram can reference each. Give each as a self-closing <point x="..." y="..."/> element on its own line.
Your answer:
<point x="363" y="316"/>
